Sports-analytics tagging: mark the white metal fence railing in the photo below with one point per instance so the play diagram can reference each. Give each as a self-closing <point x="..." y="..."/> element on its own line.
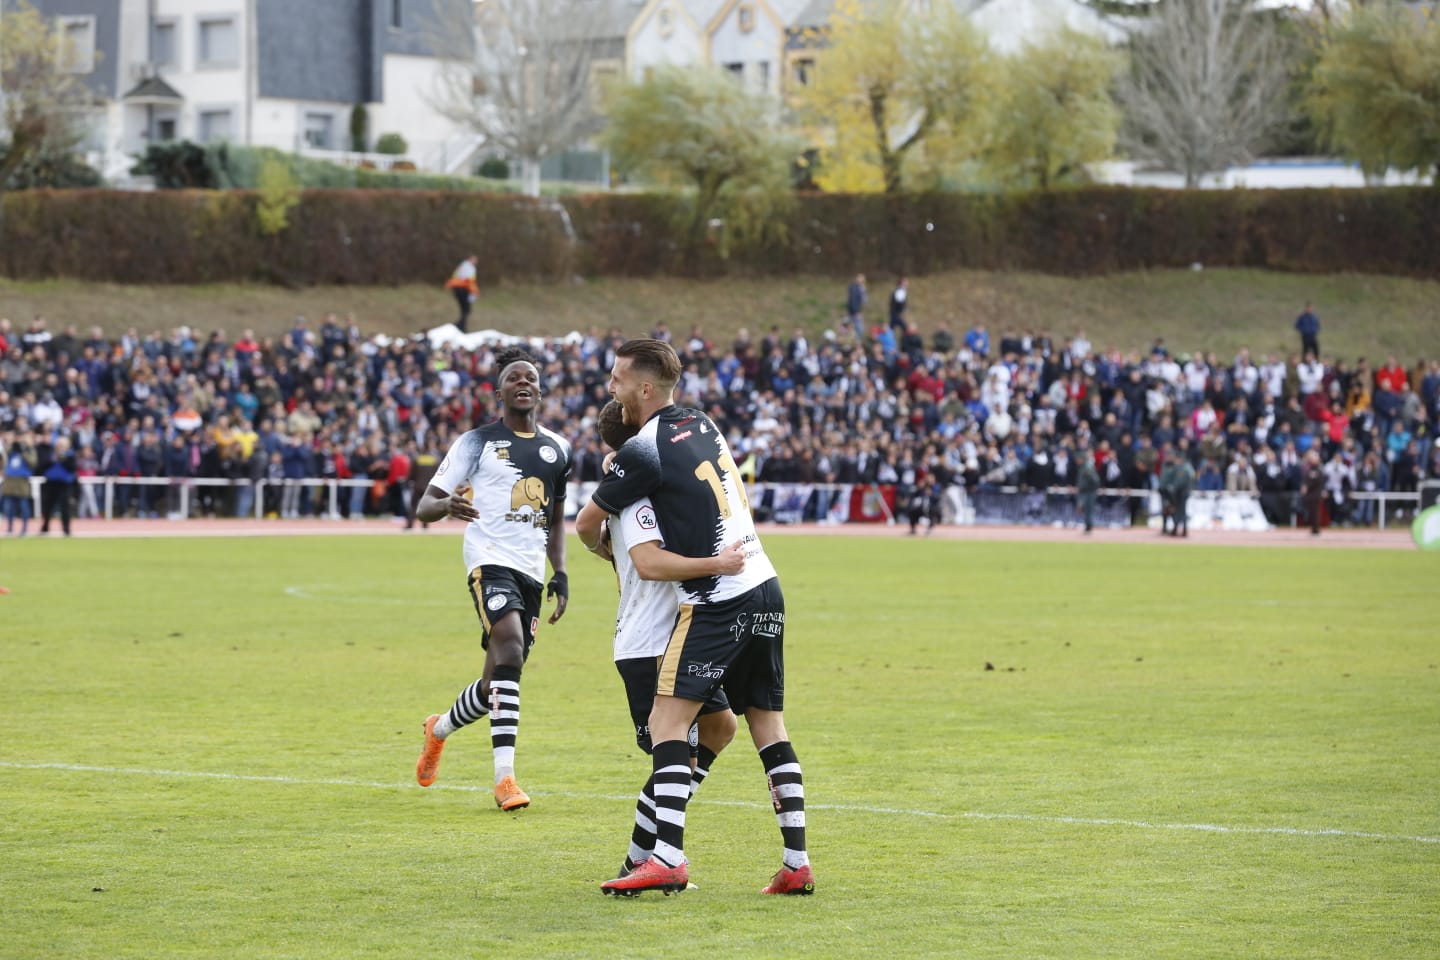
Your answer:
<point x="177" y="499"/>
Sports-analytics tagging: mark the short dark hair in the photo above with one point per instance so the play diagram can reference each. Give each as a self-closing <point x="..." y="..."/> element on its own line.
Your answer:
<point x="511" y="355"/>
<point x="613" y="428"/>
<point x="654" y="357"/>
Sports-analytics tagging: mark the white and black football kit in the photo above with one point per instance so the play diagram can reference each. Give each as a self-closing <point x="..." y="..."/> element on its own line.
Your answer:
<point x="517" y="483"/>
<point x="729" y="630"/>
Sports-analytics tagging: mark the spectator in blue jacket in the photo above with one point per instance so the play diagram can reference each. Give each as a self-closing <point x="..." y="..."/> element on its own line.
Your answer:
<point x="59" y="490"/>
<point x="1308" y="324"/>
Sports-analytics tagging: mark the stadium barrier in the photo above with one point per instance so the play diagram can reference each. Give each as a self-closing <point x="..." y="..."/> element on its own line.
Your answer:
<point x="827" y="503"/>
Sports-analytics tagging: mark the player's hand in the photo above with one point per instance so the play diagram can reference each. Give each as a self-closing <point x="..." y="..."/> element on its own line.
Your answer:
<point x="459" y="507"/>
<point x="559" y="588"/>
<point x="731" y="560"/>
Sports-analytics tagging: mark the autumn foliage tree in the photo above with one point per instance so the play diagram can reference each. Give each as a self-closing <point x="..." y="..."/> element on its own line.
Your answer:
<point x="697" y="128"/>
<point x="1057" y="112"/>
<point x="893" y="78"/>
<point x="1376" y="88"/>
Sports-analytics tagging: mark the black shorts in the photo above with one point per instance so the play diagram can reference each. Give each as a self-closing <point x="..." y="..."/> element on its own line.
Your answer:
<point x="640" y="675"/>
<point x="737" y="646"/>
<point x="498" y="590"/>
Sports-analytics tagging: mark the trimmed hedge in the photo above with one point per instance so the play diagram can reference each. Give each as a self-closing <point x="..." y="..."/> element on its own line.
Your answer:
<point x="396" y="237"/>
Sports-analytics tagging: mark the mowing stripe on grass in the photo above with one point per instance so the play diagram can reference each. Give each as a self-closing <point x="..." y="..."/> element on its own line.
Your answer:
<point x="846" y="808"/>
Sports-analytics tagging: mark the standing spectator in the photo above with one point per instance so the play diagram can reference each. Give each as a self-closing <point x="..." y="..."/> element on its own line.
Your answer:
<point x="1308" y="325"/>
<point x="21" y="460"/>
<point x="59" y="488"/>
<point x="177" y="468"/>
<point x="1087" y="486"/>
<point x="87" y="465"/>
<point x="295" y="468"/>
<point x="398" y="480"/>
<point x="149" y="463"/>
<point x="899" y="303"/>
<point x="463" y="286"/>
<point x="977" y="339"/>
<point x="855" y="299"/>
<point x="423" y="467"/>
<point x="1340" y="482"/>
<point x="1371" y="477"/>
<point x="1312" y="490"/>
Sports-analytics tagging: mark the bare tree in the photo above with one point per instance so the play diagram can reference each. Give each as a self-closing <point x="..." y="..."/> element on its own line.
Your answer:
<point x="518" y="73"/>
<point x="1207" y="86"/>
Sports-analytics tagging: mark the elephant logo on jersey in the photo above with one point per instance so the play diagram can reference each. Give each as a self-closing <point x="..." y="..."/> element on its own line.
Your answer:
<point x="529" y="492"/>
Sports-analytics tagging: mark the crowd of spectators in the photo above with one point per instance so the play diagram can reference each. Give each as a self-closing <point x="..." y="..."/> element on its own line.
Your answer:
<point x="849" y="404"/>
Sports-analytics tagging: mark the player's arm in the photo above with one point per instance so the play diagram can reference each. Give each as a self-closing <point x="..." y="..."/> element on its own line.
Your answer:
<point x="448" y="492"/>
<point x="653" y="562"/>
<point x="436" y="504"/>
<point x="559" y="585"/>
<point x="590" y="525"/>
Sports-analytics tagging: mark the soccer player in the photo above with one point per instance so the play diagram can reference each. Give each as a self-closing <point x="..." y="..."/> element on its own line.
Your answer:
<point x="730" y="630"/>
<point x="506" y="480"/>
<point x="649" y="601"/>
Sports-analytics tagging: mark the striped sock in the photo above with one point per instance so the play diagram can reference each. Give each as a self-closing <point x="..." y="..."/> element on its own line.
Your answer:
<point x="704" y="757"/>
<point x="469" y="707"/>
<point x="787" y="791"/>
<point x="671" y="782"/>
<point x="504" y="719"/>
<point x="642" y="838"/>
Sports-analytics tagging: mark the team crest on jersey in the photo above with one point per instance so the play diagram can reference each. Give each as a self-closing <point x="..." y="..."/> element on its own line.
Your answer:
<point x="548" y="454"/>
<point x="495" y="602"/>
<point x="645" y="516"/>
<point x="502" y="453"/>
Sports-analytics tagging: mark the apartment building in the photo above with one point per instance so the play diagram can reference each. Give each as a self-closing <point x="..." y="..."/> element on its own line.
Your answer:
<point x="276" y="73"/>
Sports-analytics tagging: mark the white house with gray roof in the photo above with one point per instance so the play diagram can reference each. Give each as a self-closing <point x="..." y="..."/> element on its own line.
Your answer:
<point x="276" y="73"/>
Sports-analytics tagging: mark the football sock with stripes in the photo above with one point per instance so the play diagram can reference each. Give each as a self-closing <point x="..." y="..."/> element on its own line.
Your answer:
<point x="787" y="791"/>
<point x="504" y="719"/>
<point x="671" y="782"/>
<point x="469" y="707"/>
<point x="704" y="757"/>
<point x="642" y="837"/>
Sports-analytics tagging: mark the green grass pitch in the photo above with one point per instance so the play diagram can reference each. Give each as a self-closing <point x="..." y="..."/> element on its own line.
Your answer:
<point x="207" y="749"/>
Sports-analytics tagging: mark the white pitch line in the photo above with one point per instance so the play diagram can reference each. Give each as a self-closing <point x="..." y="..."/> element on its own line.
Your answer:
<point x="844" y="808"/>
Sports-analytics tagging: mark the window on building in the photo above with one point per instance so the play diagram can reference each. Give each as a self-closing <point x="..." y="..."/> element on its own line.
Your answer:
<point x="214" y="126"/>
<point x="803" y="71"/>
<point x="219" y="43"/>
<point x="603" y="75"/>
<point x="319" y="131"/>
<point x="762" y="76"/>
<point x="165" y="129"/>
<point x="76" y="36"/>
<point x="164" y="44"/>
<point x="397" y="13"/>
<point x="736" y="69"/>
<point x="747" y="17"/>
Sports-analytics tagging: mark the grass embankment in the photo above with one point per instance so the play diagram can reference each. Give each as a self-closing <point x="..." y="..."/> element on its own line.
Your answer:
<point x="1219" y="310"/>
